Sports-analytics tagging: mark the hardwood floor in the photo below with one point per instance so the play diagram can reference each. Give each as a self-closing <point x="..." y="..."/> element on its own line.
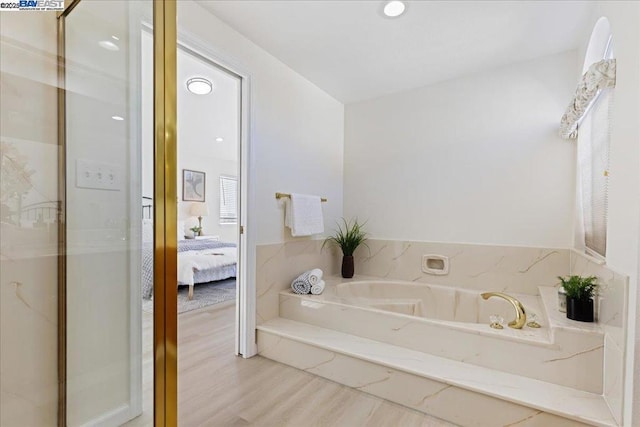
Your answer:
<point x="216" y="388"/>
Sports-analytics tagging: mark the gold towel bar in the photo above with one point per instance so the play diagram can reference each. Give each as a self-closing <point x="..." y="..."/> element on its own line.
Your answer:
<point x="281" y="195"/>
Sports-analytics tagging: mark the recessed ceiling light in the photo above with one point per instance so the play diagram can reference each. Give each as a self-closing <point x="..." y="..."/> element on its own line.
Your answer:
<point x="117" y="118"/>
<point x="115" y="38"/>
<point x="199" y="85"/>
<point x="219" y="139"/>
<point x="395" y="8"/>
<point x="106" y="44"/>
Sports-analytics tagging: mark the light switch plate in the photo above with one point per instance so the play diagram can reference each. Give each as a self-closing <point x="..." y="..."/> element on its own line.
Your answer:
<point x="98" y="175"/>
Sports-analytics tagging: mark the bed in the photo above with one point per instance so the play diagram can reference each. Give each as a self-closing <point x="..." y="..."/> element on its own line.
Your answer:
<point x="199" y="261"/>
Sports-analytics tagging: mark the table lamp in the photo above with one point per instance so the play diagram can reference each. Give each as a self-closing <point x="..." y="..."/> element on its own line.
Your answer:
<point x="199" y="210"/>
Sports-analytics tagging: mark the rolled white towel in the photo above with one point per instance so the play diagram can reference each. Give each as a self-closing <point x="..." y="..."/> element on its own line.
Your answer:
<point x="301" y="284"/>
<point x="318" y="288"/>
<point x="315" y="276"/>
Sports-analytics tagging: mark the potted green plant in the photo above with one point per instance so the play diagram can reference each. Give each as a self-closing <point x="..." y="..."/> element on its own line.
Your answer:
<point x="197" y="231"/>
<point x="580" y="292"/>
<point x="348" y="240"/>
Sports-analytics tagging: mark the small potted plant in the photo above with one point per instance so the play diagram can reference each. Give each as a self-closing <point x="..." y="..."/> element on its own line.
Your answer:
<point x="348" y="240"/>
<point x="580" y="292"/>
<point x="197" y="231"/>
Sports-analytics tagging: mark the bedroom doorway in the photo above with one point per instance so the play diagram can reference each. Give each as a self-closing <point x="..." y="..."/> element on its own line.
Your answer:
<point x="225" y="217"/>
<point x="209" y="189"/>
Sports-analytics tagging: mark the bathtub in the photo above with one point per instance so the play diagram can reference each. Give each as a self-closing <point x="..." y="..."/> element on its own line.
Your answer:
<point x="453" y="323"/>
<point x="454" y="307"/>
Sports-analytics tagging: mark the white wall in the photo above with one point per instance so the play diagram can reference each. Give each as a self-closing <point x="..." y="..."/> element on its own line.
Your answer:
<point x="623" y="240"/>
<point x="28" y="256"/>
<point x="213" y="167"/>
<point x="297" y="132"/>
<point x="201" y="119"/>
<point x="474" y="160"/>
<point x="191" y="157"/>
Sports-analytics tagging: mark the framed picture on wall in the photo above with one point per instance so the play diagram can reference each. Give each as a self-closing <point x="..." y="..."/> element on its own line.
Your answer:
<point x="193" y="186"/>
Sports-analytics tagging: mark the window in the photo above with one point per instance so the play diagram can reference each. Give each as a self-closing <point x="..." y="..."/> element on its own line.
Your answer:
<point x="593" y="162"/>
<point x="228" y="200"/>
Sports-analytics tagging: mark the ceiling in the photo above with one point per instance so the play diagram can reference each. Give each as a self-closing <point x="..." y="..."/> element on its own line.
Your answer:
<point x="350" y="50"/>
<point x="201" y="118"/>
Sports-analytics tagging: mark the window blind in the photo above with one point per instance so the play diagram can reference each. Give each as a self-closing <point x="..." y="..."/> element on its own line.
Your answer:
<point x="594" y="166"/>
<point x="228" y="200"/>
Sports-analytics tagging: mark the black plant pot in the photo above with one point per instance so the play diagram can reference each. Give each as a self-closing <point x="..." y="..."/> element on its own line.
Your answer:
<point x="347" y="266"/>
<point x="580" y="309"/>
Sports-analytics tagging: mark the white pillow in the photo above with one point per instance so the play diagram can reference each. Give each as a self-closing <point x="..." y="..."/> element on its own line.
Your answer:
<point x="180" y="230"/>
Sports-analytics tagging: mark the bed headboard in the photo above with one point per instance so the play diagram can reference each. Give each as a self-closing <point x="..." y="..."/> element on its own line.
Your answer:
<point x="147" y="207"/>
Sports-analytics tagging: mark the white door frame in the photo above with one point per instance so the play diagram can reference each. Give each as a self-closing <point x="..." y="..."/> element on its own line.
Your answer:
<point x="246" y="290"/>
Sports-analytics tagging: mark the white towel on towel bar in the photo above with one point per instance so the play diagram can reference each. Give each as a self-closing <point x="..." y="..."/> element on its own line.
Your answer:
<point x="303" y="214"/>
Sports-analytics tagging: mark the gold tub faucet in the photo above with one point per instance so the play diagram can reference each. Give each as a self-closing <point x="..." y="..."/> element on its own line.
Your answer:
<point x="521" y="316"/>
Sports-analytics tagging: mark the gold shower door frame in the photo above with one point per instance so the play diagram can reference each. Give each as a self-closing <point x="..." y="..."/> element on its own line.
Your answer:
<point x="165" y="316"/>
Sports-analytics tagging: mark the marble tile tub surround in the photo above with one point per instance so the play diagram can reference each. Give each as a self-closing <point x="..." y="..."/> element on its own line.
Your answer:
<point x="435" y="386"/>
<point x="479" y="267"/>
<point x="612" y="301"/>
<point x="554" y="355"/>
<point x="278" y="264"/>
<point x="612" y="309"/>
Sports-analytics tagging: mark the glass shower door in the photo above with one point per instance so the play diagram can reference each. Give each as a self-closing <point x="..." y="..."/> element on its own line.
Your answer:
<point x="116" y="242"/>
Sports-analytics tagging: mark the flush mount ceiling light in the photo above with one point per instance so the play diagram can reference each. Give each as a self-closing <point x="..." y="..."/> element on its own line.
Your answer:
<point x="109" y="45"/>
<point x="117" y="118"/>
<point x="393" y="9"/>
<point x="199" y="85"/>
<point x="219" y="139"/>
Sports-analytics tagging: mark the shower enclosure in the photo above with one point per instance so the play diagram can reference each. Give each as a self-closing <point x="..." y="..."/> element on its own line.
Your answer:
<point x="100" y="352"/>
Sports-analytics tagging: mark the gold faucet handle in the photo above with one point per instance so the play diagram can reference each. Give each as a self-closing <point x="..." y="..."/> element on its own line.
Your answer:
<point x="533" y="321"/>
<point x="496" y="321"/>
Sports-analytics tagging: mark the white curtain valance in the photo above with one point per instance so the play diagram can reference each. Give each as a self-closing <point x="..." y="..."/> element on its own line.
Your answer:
<point x="600" y="75"/>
